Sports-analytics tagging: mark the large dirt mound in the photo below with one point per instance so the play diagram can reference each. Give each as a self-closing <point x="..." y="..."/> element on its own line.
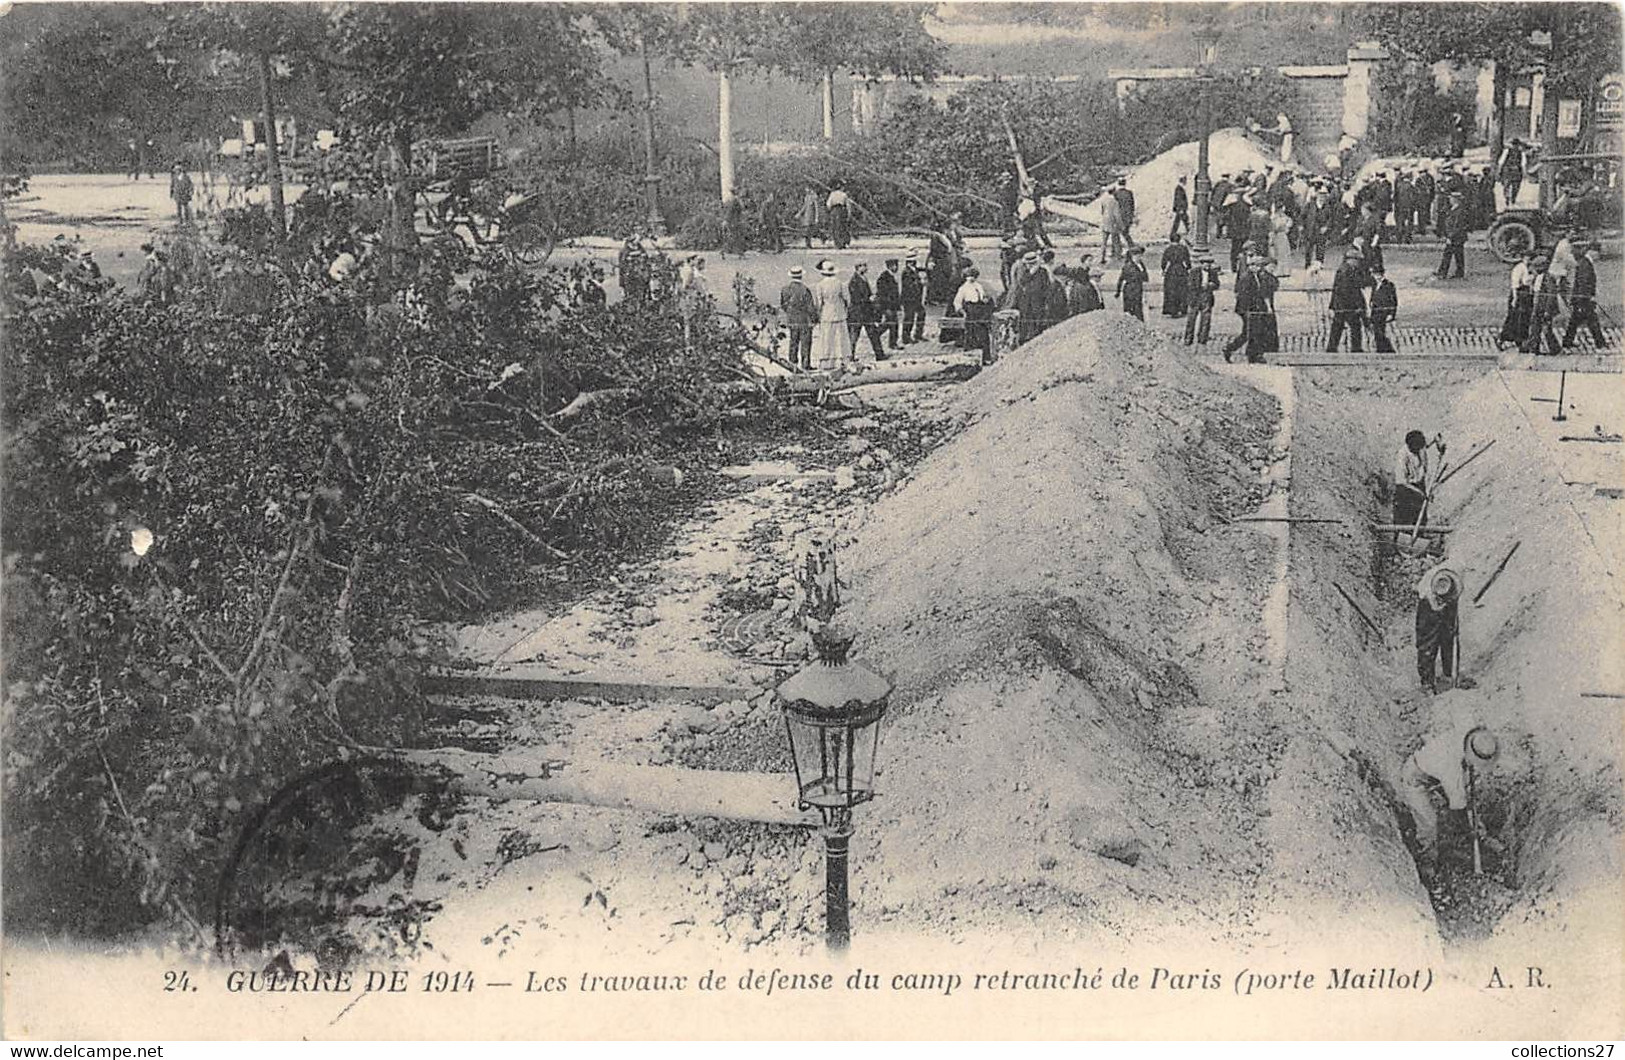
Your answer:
<point x="1076" y="640"/>
<point x="1229" y="151"/>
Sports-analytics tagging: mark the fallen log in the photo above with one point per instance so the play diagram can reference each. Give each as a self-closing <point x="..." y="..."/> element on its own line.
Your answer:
<point x="548" y="686"/>
<point x="768" y="798"/>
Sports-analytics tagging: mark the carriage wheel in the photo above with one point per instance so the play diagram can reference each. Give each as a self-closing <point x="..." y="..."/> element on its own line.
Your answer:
<point x="528" y="243"/>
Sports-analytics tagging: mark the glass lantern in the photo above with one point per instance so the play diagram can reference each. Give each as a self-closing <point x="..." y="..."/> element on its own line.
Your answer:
<point x="832" y="710"/>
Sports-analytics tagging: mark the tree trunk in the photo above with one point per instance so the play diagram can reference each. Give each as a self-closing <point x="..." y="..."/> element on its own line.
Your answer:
<point x="273" y="154"/>
<point x="829" y="105"/>
<point x="1548" y="140"/>
<point x="570" y="120"/>
<point x="651" y="170"/>
<point x="402" y="205"/>
<point x="725" y="134"/>
<point x="1498" y="107"/>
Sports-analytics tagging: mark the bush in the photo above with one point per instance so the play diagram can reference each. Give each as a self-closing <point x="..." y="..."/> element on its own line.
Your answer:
<point x="230" y="515"/>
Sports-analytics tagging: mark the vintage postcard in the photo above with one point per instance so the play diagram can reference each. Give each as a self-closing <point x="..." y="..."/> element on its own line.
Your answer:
<point x="812" y="520"/>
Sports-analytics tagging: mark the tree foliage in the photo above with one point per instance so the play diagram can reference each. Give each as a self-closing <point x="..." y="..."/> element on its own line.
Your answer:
<point x="1572" y="43"/>
<point x="234" y="497"/>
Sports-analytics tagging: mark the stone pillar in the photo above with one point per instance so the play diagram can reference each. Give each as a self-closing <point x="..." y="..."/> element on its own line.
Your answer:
<point x="1006" y="332"/>
<point x="1357" y="88"/>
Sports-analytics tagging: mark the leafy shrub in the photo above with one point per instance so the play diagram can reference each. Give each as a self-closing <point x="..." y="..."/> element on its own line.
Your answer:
<point x="229" y="516"/>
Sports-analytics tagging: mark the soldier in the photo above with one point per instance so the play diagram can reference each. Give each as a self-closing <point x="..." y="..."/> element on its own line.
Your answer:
<point x="1454" y="225"/>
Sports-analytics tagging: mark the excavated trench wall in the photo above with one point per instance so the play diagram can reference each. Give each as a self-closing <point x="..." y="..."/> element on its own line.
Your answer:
<point x="1547" y="629"/>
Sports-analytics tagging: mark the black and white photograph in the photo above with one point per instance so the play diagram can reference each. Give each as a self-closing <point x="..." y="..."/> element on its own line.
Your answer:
<point x="805" y="521"/>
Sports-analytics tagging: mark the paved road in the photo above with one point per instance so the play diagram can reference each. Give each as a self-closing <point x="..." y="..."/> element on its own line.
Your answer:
<point x="114" y="216"/>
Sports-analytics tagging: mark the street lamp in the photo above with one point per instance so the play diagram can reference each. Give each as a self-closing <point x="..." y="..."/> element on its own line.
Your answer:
<point x="1207" y="44"/>
<point x="832" y="712"/>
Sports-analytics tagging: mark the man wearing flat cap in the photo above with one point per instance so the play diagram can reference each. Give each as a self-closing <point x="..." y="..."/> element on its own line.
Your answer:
<point x="1348" y="302"/>
<point x="889" y="302"/>
<point x="1546" y="304"/>
<point x="1203" y="282"/>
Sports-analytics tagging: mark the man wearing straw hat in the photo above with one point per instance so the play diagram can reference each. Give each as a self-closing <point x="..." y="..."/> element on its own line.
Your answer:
<point x="1438" y="625"/>
<point x="800" y="315"/>
<point x="1447" y="760"/>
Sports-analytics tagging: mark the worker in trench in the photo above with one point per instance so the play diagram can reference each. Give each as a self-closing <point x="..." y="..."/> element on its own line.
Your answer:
<point x="1438" y="627"/>
<point x="1449" y="759"/>
<point x="1411" y="470"/>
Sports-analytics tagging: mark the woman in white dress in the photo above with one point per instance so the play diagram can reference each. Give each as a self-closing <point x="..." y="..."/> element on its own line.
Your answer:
<point x="832" y="345"/>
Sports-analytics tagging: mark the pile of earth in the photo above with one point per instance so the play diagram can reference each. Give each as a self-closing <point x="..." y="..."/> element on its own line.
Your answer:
<point x="1229" y="151"/>
<point x="1076" y="639"/>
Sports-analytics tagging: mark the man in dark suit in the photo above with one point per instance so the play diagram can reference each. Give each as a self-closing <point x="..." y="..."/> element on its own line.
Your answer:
<point x="913" y="288"/>
<point x="1313" y="224"/>
<point x="1547" y="305"/>
<point x="1454" y="224"/>
<point x="1583" y="297"/>
<point x="1032" y="297"/>
<point x="860" y="313"/>
<point x="1348" y="303"/>
<point x="1384" y="307"/>
<point x="800" y="316"/>
<point x="1204" y="280"/>
<point x="889" y="301"/>
<point x="1255" y="305"/>
<point x="1182" y="210"/>
<point x="1215" y="200"/>
<point x="1404" y="206"/>
<point x="1423" y="188"/>
<point x="1125" y="202"/>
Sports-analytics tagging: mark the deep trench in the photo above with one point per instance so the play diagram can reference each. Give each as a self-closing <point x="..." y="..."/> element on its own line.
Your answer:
<point x="1349" y="425"/>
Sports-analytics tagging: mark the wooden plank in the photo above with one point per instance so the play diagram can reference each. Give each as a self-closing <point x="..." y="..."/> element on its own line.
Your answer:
<point x="560" y="686"/>
<point x="1398" y="528"/>
<point x="767" y="798"/>
<point x="752" y="473"/>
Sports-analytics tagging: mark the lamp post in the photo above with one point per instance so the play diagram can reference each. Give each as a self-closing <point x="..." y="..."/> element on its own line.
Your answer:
<point x="1207" y="42"/>
<point x="832" y="712"/>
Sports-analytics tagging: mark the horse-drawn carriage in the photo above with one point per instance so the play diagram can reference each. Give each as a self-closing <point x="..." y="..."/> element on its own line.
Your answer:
<point x="460" y="188"/>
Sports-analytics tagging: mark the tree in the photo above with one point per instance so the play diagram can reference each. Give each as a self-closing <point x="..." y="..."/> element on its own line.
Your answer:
<point x="81" y="79"/>
<point x="725" y="38"/>
<point x="815" y="40"/>
<point x="643" y="30"/>
<point x="1571" y="44"/>
<point x="270" y="37"/>
<point x="401" y="71"/>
